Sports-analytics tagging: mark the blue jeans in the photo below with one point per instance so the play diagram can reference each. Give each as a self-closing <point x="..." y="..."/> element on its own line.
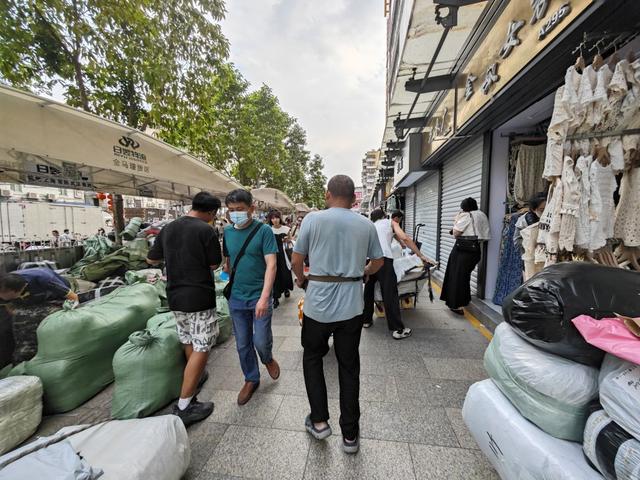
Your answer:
<point x="251" y="334"/>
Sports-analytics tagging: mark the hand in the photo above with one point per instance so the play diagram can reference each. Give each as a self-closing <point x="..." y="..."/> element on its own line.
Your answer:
<point x="71" y="304"/>
<point x="262" y="308"/>
<point x="302" y="283"/>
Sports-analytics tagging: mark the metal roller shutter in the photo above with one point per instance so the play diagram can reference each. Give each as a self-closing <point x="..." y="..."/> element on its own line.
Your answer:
<point x="461" y="178"/>
<point x="409" y="200"/>
<point x="427" y="213"/>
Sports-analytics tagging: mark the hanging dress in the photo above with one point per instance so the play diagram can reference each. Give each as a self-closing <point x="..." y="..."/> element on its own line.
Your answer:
<point x="601" y="206"/>
<point x="570" y="206"/>
<point x="627" y="223"/>
<point x="584" y="217"/>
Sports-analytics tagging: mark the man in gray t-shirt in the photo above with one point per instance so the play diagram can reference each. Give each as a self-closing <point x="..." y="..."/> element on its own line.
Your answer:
<point x="337" y="242"/>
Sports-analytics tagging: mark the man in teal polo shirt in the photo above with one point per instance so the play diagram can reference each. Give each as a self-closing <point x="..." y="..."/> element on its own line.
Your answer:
<point x="250" y="304"/>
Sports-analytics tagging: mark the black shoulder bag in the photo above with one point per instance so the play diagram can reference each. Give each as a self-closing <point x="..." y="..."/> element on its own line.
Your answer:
<point x="227" y="289"/>
<point x="469" y="244"/>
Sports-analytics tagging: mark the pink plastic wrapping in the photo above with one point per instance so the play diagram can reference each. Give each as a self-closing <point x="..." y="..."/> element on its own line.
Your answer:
<point x="610" y="335"/>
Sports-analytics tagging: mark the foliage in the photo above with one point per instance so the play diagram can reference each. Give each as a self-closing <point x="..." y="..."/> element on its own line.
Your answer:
<point x="151" y="63"/>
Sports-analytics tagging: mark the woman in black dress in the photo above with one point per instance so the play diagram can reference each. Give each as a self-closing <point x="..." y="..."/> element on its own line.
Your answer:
<point x="283" y="282"/>
<point x="470" y="229"/>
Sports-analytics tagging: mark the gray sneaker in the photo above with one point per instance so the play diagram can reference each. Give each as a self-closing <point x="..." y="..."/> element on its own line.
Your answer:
<point x="351" y="447"/>
<point x="195" y="412"/>
<point x="400" y="334"/>
<point x="318" y="434"/>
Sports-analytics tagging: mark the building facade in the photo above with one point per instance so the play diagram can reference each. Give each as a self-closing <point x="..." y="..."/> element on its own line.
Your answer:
<point x="483" y="83"/>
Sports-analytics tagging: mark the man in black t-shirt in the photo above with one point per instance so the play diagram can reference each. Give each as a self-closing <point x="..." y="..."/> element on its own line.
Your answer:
<point x="190" y="249"/>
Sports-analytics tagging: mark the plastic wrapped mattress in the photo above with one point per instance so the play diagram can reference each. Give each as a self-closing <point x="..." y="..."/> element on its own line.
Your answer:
<point x="20" y="410"/>
<point x="613" y="451"/>
<point x="620" y="393"/>
<point x="143" y="449"/>
<point x="551" y="391"/>
<point x="516" y="448"/>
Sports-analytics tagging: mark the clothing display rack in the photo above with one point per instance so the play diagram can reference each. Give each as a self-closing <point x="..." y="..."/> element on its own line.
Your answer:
<point x="617" y="133"/>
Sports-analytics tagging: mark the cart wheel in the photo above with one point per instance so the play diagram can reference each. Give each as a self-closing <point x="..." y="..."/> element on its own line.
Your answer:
<point x="407" y="303"/>
<point x="379" y="310"/>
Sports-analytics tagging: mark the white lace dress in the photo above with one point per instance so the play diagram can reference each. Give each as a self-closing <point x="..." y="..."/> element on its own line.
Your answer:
<point x="627" y="224"/>
<point x="601" y="206"/>
<point x="570" y="206"/>
<point x="584" y="216"/>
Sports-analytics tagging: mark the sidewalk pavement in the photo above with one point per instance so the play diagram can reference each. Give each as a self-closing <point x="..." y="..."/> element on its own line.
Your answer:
<point x="411" y="395"/>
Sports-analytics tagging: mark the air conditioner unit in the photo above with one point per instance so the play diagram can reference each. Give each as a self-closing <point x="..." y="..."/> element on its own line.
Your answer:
<point x="5" y="193"/>
<point x="51" y="196"/>
<point x="32" y="196"/>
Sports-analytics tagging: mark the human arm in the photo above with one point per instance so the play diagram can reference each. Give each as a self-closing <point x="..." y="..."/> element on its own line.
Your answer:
<point x="262" y="307"/>
<point x="404" y="239"/>
<point x="297" y="266"/>
<point x="462" y="220"/>
<point x="212" y="246"/>
<point x="156" y="253"/>
<point x="269" y="250"/>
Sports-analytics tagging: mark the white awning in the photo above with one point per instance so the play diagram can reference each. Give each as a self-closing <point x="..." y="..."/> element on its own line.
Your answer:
<point x="267" y="198"/>
<point x="43" y="142"/>
<point x="302" y="208"/>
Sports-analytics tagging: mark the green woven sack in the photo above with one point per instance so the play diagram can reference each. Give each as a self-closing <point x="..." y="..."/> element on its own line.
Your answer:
<point x="152" y="276"/>
<point x="76" y="347"/>
<point x="224" y="326"/>
<point x="132" y="229"/>
<point x="130" y="257"/>
<point x="95" y="248"/>
<point x="148" y="369"/>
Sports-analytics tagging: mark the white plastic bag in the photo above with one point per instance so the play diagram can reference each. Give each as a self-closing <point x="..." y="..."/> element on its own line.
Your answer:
<point x="20" y="410"/>
<point x="611" y="449"/>
<point x="56" y="462"/>
<point x="620" y="393"/>
<point x="516" y="448"/>
<point x="551" y="391"/>
<point x="149" y="448"/>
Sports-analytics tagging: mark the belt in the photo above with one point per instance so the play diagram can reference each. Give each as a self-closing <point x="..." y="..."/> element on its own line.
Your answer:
<point x="333" y="279"/>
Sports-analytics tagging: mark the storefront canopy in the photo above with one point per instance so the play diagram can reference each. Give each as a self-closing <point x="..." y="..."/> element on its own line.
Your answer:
<point x="267" y="198"/>
<point x="43" y="142"/>
<point x="302" y="208"/>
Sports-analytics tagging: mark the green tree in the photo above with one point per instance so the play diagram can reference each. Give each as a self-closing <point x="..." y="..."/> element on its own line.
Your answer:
<point x="316" y="183"/>
<point x="130" y="60"/>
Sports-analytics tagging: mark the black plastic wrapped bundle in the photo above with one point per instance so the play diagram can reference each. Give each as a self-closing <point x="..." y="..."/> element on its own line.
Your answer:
<point x="611" y="449"/>
<point x="541" y="310"/>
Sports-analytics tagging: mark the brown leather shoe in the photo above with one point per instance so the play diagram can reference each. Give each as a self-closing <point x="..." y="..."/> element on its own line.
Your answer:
<point x="273" y="368"/>
<point x="247" y="392"/>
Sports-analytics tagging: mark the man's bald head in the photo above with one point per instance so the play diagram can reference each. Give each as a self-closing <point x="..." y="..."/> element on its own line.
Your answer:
<point x="342" y="187"/>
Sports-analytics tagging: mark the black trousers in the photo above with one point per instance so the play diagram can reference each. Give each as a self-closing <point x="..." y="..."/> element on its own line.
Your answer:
<point x="456" y="286"/>
<point x="346" y="341"/>
<point x="389" y="286"/>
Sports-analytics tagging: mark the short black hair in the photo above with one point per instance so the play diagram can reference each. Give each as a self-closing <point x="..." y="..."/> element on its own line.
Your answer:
<point x="273" y="214"/>
<point x="12" y="282"/>
<point x="377" y="214"/>
<point x="55" y="231"/>
<point x="341" y="186"/>
<point x="397" y="214"/>
<point x="66" y="230"/>
<point x="469" y="204"/>
<point x="239" y="195"/>
<point x="205" y="202"/>
<point x="536" y="200"/>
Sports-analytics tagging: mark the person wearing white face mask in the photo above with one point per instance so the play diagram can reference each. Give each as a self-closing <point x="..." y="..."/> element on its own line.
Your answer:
<point x="250" y="251"/>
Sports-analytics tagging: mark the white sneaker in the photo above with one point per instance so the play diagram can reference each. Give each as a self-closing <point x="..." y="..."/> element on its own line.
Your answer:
<point x="400" y="334"/>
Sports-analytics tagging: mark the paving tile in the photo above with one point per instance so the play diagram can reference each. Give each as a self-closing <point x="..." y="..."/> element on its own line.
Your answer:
<point x="455" y="368"/>
<point x="203" y="437"/>
<point x="374" y="388"/>
<point x="441" y="463"/>
<point x="289" y="360"/>
<point x="290" y="344"/>
<point x="217" y="476"/>
<point x="407" y="423"/>
<point x="259" y="412"/>
<point x="377" y="460"/>
<point x="398" y="365"/>
<point x="260" y="453"/>
<point x="291" y="382"/>
<point x="462" y="432"/>
<point x="432" y="392"/>
<point x="286" y="331"/>
<point x="294" y="410"/>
